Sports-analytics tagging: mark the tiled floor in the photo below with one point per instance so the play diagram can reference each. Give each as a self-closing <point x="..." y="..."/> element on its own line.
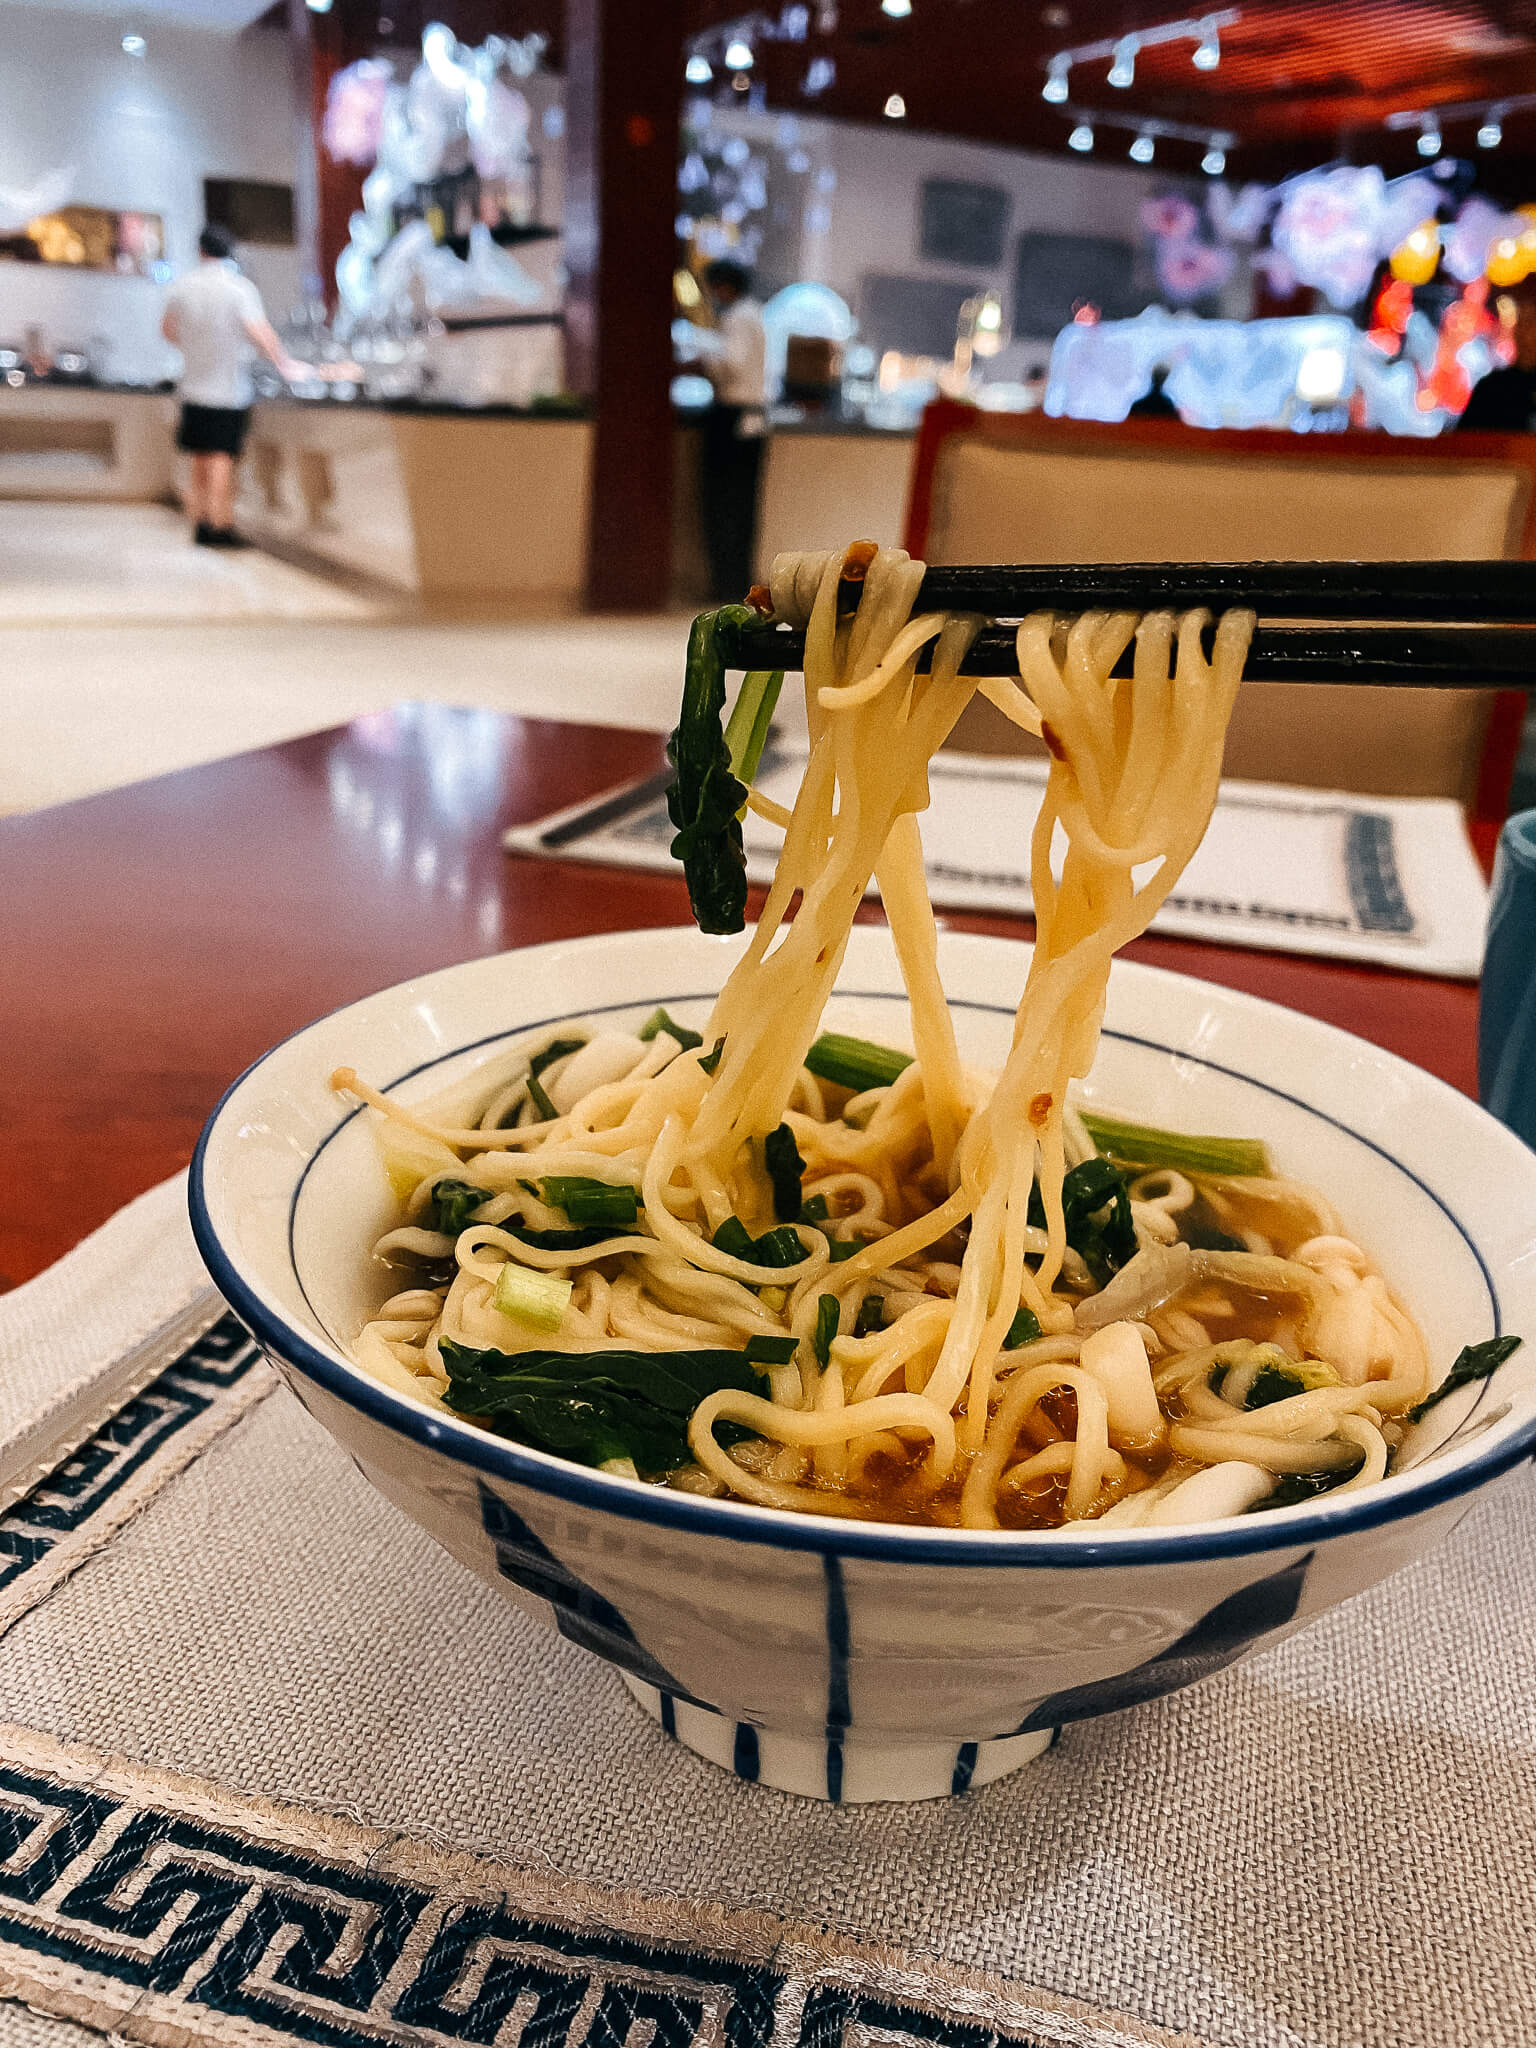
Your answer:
<point x="95" y="693"/>
<point x="87" y="563"/>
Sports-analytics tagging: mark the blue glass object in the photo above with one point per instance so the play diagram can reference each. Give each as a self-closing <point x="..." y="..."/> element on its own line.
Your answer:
<point x="1506" y="1024"/>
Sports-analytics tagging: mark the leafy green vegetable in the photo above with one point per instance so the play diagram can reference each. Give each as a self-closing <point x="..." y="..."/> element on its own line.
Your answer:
<point x="556" y="1049"/>
<point x="777" y="1247"/>
<point x="1024" y="1329"/>
<point x="827" y="1314"/>
<point x="771" y="1350"/>
<point x="746" y="730"/>
<point x="781" y="1156"/>
<point x="586" y="1200"/>
<point x="599" y="1405"/>
<point x="659" y="1021"/>
<point x="1098" y="1216"/>
<point x="855" y="1063"/>
<point x="813" y="1211"/>
<point x="1273" y="1383"/>
<point x="452" y="1204"/>
<point x="546" y="1057"/>
<point x="1200" y="1238"/>
<point x="871" y="1316"/>
<point x="711" y="1059"/>
<point x="538" y="1299"/>
<point x="1292" y="1487"/>
<point x="539" y="1097"/>
<point x="1474" y="1362"/>
<point x="1139" y="1145"/>
<point x="560" y="1240"/>
<point x="705" y="800"/>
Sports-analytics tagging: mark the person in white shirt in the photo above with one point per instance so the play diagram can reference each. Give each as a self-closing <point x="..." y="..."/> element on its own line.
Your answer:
<point x="731" y="442"/>
<point x="215" y="317"/>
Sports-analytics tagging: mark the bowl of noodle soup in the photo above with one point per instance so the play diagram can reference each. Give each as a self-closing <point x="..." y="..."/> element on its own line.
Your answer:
<point x="870" y="1655"/>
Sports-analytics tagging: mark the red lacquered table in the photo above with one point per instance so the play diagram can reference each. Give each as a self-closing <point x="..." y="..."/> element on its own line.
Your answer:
<point x="158" y="938"/>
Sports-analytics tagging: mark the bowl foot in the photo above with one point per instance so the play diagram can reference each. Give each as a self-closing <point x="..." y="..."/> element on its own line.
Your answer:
<point x="845" y="1770"/>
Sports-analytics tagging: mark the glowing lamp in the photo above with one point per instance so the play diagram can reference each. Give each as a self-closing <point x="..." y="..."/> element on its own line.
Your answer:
<point x="1416" y="259"/>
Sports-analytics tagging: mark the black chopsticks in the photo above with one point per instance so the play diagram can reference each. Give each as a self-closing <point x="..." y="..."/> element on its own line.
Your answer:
<point x="1476" y="632"/>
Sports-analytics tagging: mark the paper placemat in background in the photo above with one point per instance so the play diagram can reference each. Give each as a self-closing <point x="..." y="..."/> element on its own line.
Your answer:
<point x="1386" y="879"/>
<point x="274" y="1769"/>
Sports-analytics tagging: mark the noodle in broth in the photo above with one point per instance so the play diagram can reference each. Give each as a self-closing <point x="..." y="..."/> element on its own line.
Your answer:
<point x="935" y="1299"/>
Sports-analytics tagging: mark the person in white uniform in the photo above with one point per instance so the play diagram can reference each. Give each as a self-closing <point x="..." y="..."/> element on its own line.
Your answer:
<point x="731" y="442"/>
<point x="215" y="317"/>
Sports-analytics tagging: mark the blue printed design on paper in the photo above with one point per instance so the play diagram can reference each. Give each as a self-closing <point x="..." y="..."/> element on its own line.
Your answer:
<point x="319" y="1948"/>
<point x="85" y="1483"/>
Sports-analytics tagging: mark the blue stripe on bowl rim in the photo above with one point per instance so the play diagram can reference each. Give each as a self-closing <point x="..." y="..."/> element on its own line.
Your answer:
<point x="744" y="1522"/>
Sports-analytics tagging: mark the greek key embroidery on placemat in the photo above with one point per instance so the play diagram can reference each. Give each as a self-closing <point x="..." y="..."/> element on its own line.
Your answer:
<point x="164" y="1910"/>
<point x="83" y="1504"/>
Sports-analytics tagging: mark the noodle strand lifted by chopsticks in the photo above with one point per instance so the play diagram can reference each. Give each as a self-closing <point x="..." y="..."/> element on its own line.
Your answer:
<point x="942" y="1229"/>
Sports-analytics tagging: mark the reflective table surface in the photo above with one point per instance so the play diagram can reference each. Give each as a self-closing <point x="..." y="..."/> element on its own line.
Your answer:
<point x="157" y="938"/>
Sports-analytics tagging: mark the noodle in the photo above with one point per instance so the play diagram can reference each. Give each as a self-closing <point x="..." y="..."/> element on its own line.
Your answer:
<point x="959" y="1326"/>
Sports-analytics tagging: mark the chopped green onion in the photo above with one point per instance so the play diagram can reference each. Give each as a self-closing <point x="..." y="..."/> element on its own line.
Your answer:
<point x="871" y="1316"/>
<point x="538" y="1299"/>
<point x="1138" y="1145"/>
<point x="711" y="1060"/>
<point x="773" y="1299"/>
<point x="781" y="1157"/>
<point x="777" y="1247"/>
<point x="659" y="1021"/>
<point x="844" y="1248"/>
<point x="734" y="1238"/>
<point x="1024" y="1329"/>
<point x="814" y="1211"/>
<point x="828" y="1312"/>
<point x="855" y="1063"/>
<point x="746" y="731"/>
<point x="621" y="1468"/>
<point x="770" y="1350"/>
<point x="586" y="1200"/>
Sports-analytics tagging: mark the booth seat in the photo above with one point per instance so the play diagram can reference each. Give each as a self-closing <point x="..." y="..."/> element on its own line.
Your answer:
<point x="998" y="488"/>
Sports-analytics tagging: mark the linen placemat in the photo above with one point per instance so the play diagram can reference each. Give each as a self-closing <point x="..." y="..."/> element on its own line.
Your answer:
<point x="275" y="1768"/>
<point x="1387" y="879"/>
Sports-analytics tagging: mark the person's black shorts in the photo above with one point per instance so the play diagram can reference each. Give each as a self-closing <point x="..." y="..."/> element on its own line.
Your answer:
<point x="213" y="430"/>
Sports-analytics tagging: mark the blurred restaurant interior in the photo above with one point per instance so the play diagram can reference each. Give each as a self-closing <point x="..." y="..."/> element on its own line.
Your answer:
<point x="482" y="237"/>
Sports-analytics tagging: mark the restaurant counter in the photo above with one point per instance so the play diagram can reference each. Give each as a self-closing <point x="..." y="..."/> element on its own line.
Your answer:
<point x="436" y="500"/>
<point x="84" y="440"/>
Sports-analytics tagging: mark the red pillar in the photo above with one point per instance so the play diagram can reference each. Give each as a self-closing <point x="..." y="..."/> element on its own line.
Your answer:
<point x="624" y="73"/>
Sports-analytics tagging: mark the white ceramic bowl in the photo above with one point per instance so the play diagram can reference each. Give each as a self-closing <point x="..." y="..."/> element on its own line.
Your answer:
<point x="851" y="1660"/>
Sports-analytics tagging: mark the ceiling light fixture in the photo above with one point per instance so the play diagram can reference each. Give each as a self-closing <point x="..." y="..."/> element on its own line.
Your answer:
<point x="1491" y="133"/>
<point x="897" y="9"/>
<point x="1208" y="50"/>
<point x="1429" y="136"/>
<point x="1081" y="138"/>
<point x="134" y="46"/>
<point x="1123" y="71"/>
<point x="738" y="55"/>
<point x="698" y="70"/>
<point x="1214" y="162"/>
<point x="1055" y="87"/>
<point x="1143" y="149"/>
<point x="895" y="108"/>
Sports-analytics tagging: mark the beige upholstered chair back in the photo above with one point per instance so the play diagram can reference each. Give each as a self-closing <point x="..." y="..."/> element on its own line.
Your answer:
<point x="1021" y="499"/>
